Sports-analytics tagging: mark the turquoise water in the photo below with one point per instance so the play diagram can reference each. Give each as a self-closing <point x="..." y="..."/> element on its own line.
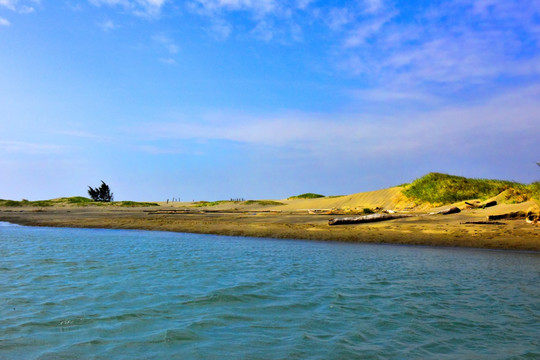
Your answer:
<point x="112" y="294"/>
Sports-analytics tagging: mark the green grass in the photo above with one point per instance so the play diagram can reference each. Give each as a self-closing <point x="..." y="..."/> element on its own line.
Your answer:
<point x="75" y="200"/>
<point x="209" y="203"/>
<point x="10" y="203"/>
<point x="306" y="196"/>
<point x="78" y="200"/>
<point x="263" y="202"/>
<point x="439" y="188"/>
<point x="134" y="204"/>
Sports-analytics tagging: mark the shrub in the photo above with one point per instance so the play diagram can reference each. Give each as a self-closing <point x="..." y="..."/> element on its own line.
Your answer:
<point x="439" y="188"/>
<point x="306" y="196"/>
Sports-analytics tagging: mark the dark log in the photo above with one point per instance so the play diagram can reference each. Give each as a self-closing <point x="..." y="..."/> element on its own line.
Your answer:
<point x="512" y="215"/>
<point x="483" y="223"/>
<point x="366" y="219"/>
<point x="452" y="210"/>
<point x="489" y="204"/>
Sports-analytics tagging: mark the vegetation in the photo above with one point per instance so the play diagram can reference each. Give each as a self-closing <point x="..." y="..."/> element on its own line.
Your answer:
<point x="103" y="193"/>
<point x="135" y="204"/>
<point x="76" y="200"/>
<point x="263" y="202"/>
<point x="306" y="196"/>
<point x="439" y="188"/>
<point x="209" y="203"/>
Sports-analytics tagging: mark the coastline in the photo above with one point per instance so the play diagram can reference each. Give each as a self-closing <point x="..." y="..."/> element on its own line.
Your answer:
<point x="438" y="230"/>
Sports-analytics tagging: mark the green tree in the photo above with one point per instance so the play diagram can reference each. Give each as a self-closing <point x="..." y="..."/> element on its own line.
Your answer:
<point x="103" y="193"/>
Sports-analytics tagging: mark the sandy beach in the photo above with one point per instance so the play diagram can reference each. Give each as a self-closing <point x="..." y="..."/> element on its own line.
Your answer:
<point x="453" y="230"/>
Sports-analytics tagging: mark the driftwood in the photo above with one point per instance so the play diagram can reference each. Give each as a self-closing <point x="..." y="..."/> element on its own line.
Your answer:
<point x="366" y="219"/>
<point x="481" y="206"/>
<point x="483" y="223"/>
<point x="512" y="215"/>
<point x="452" y="210"/>
<point x="489" y="204"/>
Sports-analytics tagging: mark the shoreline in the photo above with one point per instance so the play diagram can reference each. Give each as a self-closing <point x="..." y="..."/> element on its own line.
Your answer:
<point x="438" y="230"/>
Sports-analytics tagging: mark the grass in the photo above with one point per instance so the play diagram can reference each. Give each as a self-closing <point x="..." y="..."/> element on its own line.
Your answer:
<point x="134" y="204"/>
<point x="263" y="202"/>
<point x="437" y="188"/>
<point x="209" y="203"/>
<point x="78" y="200"/>
<point x="306" y="196"/>
<point x="75" y="200"/>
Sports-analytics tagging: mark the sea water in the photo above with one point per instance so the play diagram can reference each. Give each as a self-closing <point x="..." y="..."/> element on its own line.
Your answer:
<point x="114" y="294"/>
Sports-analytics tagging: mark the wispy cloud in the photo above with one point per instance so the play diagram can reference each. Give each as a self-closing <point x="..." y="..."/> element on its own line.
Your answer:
<point x="21" y="147"/>
<point x="107" y="25"/>
<point x="169" y="46"/>
<point x="168" y="61"/>
<point x="263" y="19"/>
<point x="9" y="4"/>
<point x="167" y="42"/>
<point x="456" y="45"/>
<point x="4" y="22"/>
<point x="260" y="7"/>
<point x="20" y="6"/>
<point x="144" y="8"/>
<point x="460" y="128"/>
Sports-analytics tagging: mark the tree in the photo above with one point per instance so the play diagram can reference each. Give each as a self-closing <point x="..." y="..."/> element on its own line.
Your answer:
<point x="103" y="193"/>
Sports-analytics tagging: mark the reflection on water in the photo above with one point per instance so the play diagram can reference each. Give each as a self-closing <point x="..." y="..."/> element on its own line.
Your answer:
<point x="72" y="293"/>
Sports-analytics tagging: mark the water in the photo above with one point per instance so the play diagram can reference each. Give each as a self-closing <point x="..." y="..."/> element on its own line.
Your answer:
<point x="112" y="294"/>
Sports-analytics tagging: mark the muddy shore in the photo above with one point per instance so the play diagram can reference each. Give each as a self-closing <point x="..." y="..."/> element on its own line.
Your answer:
<point x="437" y="230"/>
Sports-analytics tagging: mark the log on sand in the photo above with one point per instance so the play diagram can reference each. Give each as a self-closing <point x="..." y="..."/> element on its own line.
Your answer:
<point x="452" y="210"/>
<point x="366" y="218"/>
<point x="512" y="215"/>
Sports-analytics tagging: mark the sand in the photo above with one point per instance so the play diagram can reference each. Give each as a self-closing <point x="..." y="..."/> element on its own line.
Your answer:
<point x="293" y="222"/>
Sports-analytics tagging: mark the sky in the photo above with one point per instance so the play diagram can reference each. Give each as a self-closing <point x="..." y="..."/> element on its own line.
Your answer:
<point x="220" y="99"/>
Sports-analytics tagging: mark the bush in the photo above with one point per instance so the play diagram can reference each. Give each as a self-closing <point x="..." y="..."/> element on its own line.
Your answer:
<point x="306" y="196"/>
<point x="263" y="202"/>
<point x="439" y="188"/>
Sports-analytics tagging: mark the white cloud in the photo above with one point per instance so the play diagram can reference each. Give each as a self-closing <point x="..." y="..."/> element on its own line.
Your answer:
<point x="107" y="25"/>
<point x="373" y="6"/>
<point x="9" y="4"/>
<point x="4" y="22"/>
<point x="459" y="44"/>
<point x="455" y="128"/>
<point x="365" y="30"/>
<point x="15" y="5"/>
<point x="167" y="43"/>
<point x="29" y="148"/>
<point x="168" y="61"/>
<point x="220" y="29"/>
<point x="257" y="6"/>
<point x="145" y="8"/>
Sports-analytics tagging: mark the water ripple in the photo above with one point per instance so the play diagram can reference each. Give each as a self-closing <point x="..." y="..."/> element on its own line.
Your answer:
<point x="76" y="293"/>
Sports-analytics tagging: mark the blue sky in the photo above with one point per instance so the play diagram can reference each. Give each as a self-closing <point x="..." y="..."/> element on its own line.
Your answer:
<point x="219" y="99"/>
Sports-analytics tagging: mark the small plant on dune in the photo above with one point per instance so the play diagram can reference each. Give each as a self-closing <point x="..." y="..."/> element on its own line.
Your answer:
<point x="263" y="202"/>
<point x="135" y="204"/>
<point x="306" y="196"/>
<point x="78" y="200"/>
<point x="210" y="203"/>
